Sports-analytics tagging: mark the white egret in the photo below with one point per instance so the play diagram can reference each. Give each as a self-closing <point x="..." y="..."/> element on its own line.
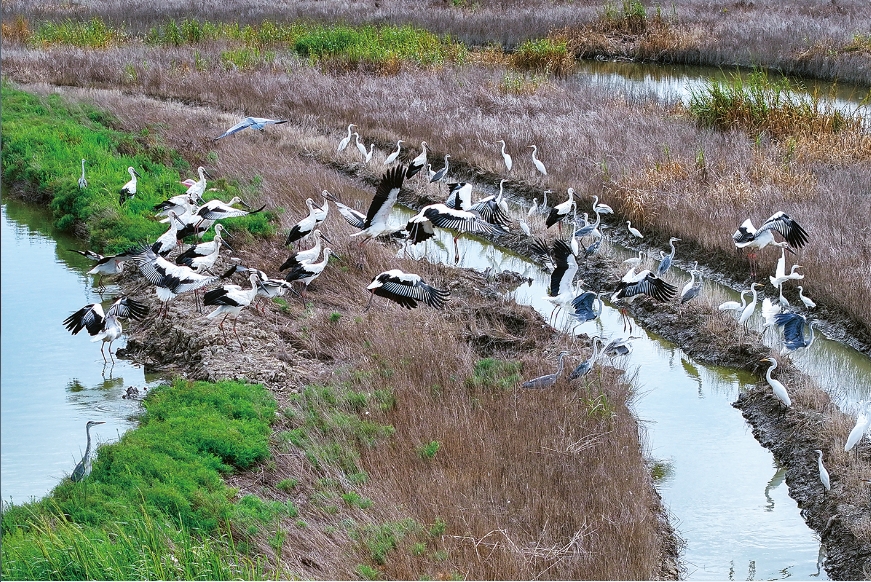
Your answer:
<point x="538" y="165"/>
<point x="345" y="140"/>
<point x="824" y="474"/>
<point x="776" y="386"/>
<point x="392" y="157"/>
<point x="506" y="157"/>
<point x="633" y="231"/>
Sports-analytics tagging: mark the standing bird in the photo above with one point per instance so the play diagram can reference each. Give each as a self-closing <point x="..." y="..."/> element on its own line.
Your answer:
<point x="550" y="379"/>
<point x="505" y="157"/>
<point x="197" y="189"/>
<point x="393" y="157"/>
<point x="734" y="305"/>
<point x="418" y="163"/>
<point x="406" y="289"/>
<point x="633" y="231"/>
<point x="203" y="256"/>
<point x="361" y="147"/>
<point x="307" y="255"/>
<point x="584" y="367"/>
<point x="420" y="227"/>
<point x="441" y="174"/>
<point x="793" y="331"/>
<point x="83" y="183"/>
<point x="665" y="263"/>
<point x="252" y="122"/>
<point x="105" y="327"/>
<point x="128" y="190"/>
<point x="83" y="469"/>
<point x="111" y="265"/>
<point x="748" y="310"/>
<point x="587" y="306"/>
<point x="166" y="242"/>
<point x="808" y="302"/>
<point x="778" y="388"/>
<point x="316" y="215"/>
<point x="538" y="165"/>
<point x="345" y="140"/>
<point x="231" y="299"/>
<point x="692" y="289"/>
<point x="824" y="474"/>
<point x="308" y="272"/>
<point x="169" y="279"/>
<point x="863" y="421"/>
<point x="561" y="210"/>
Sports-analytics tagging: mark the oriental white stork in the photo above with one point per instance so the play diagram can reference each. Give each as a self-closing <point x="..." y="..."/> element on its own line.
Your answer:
<point x="406" y="289"/>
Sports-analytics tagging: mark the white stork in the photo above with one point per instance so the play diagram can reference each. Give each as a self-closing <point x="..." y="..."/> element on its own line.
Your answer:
<point x="105" y="327"/>
<point x="316" y="215"/>
<point x="406" y="289"/>
<point x="128" y="190"/>
<point x="231" y="299"/>
<point x="418" y="163"/>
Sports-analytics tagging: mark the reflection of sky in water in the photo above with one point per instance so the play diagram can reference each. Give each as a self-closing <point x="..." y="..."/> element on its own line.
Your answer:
<point x="673" y="83"/>
<point x="52" y="382"/>
<point x="720" y="485"/>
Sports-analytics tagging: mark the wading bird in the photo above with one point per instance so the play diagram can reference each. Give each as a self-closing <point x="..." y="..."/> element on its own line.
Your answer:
<point x="395" y="155"/>
<point x="111" y="265"/>
<point x="748" y="310"/>
<point x="633" y="231"/>
<point x="169" y="279"/>
<point x="308" y="272"/>
<point x="635" y="261"/>
<point x="587" y="306"/>
<point x="747" y="236"/>
<point x="128" y="190"/>
<point x="601" y="208"/>
<point x="230" y="300"/>
<point x="665" y="263"/>
<point x="361" y="147"/>
<point x="778" y="388"/>
<point x="418" y="163"/>
<point x="561" y="291"/>
<point x="734" y="305"/>
<point x="378" y="214"/>
<point x="83" y="183"/>
<point x="618" y="347"/>
<point x="505" y="157"/>
<point x="824" y="474"/>
<point x="166" y="242"/>
<point x="316" y="215"/>
<point x="644" y="283"/>
<point x="863" y="421"/>
<point x="218" y="209"/>
<point x="550" y="379"/>
<point x="105" y="327"/>
<point x="440" y="175"/>
<point x="345" y="140"/>
<point x="203" y="256"/>
<point x="197" y="189"/>
<point x="769" y="312"/>
<point x="406" y="289"/>
<point x="538" y="165"/>
<point x="561" y="210"/>
<point x="584" y="367"/>
<point x="83" y="469"/>
<point x="307" y="255"/>
<point x="793" y="331"/>
<point x="692" y="289"/>
<point x="808" y="302"/>
<point x="252" y="122"/>
<point x="266" y="286"/>
<point x="420" y="227"/>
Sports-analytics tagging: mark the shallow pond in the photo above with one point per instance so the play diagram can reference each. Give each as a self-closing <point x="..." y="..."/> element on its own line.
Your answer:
<point x="52" y="382"/>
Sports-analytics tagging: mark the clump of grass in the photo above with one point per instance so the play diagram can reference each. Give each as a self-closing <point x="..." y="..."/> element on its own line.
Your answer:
<point x="160" y="483"/>
<point x="492" y="373"/>
<point x="94" y="33"/>
<point x="629" y="17"/>
<point x="428" y="450"/>
<point x="513" y="83"/>
<point x="860" y="43"/>
<point x="16" y="31"/>
<point x="759" y="103"/>
<point x="547" y="54"/>
<point x="246" y="58"/>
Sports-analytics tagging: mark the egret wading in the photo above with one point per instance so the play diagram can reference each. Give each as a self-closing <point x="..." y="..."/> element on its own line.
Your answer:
<point x="863" y="422"/>
<point x="83" y="469"/>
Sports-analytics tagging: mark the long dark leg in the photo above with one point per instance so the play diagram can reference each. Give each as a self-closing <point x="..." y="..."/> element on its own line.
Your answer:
<point x="456" y="251"/>
<point x="221" y="327"/>
<point x="241" y="347"/>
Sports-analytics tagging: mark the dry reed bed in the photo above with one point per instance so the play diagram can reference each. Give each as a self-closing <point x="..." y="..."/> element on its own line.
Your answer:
<point x="810" y="39"/>
<point x="530" y="484"/>
<point x="653" y="165"/>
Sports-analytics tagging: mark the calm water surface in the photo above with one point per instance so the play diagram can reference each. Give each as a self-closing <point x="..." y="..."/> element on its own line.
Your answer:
<point x="52" y="382"/>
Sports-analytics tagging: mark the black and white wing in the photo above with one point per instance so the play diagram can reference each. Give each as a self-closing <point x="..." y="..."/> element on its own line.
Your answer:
<point x="353" y="217"/>
<point x="794" y="234"/>
<point x="565" y="268"/>
<point x="385" y="196"/>
<point x="459" y="196"/>
<point x="89" y="317"/>
<point x="125" y="307"/>
<point x="407" y="289"/>
<point x="646" y="283"/>
<point x="745" y="233"/>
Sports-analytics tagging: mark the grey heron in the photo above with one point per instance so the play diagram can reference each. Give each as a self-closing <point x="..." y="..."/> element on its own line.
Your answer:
<point x="692" y="289"/>
<point x="83" y="469"/>
<point x="548" y="380"/>
<point x="587" y="306"/>
<point x="584" y="367"/>
<point x="442" y="173"/>
<point x="665" y="263"/>
<point x="253" y="122"/>
<point x="793" y="326"/>
<point x="83" y="183"/>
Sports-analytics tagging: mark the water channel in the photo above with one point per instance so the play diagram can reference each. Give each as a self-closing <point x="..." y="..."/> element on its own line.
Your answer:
<point x="52" y="382"/>
<point x="725" y="494"/>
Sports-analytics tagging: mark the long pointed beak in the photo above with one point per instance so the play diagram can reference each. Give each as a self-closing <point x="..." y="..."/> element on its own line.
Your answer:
<point x="245" y="204"/>
<point x="137" y="173"/>
<point x="789" y="249"/>
<point x="323" y="236"/>
<point x="226" y="244"/>
<point x="338" y="256"/>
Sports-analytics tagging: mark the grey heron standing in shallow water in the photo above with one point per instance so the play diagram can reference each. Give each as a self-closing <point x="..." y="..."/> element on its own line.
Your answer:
<point x="665" y="263"/>
<point x="83" y="469"/>
<point x="548" y="380"/>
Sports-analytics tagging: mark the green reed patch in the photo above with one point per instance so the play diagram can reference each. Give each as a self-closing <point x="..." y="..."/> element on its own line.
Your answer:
<point x="160" y="486"/>
<point x="759" y="103"/>
<point x="44" y="141"/>
<point x="92" y="33"/>
<point x="551" y="55"/>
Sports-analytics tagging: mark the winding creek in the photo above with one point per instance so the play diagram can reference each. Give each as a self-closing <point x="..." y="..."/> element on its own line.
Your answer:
<point x="725" y="494"/>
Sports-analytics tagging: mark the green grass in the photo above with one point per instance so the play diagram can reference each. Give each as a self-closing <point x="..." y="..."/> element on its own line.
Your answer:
<point x="44" y="141"/>
<point x="428" y="450"/>
<point x="160" y="483"/>
<point x="759" y="103"/>
<point x="490" y="374"/>
<point x="93" y="33"/>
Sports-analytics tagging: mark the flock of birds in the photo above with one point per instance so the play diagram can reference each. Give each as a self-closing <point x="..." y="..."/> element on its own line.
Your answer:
<point x="188" y="215"/>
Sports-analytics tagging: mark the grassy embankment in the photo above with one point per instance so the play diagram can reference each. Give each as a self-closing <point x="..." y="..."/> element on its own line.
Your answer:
<point x="524" y="448"/>
<point x="155" y="505"/>
<point x="44" y="141"/>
